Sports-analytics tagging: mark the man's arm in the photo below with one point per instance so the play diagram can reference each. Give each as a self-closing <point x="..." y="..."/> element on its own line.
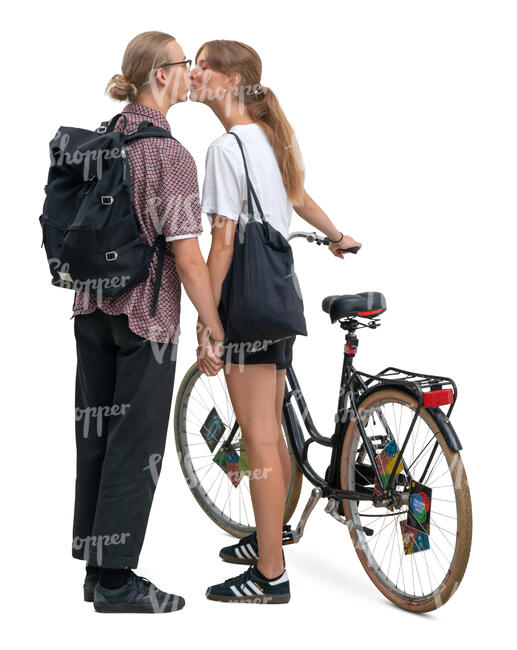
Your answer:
<point x="195" y="277"/>
<point x="220" y="256"/>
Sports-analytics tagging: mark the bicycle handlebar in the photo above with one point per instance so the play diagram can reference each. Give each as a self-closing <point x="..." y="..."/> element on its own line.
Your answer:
<point x="314" y="237"/>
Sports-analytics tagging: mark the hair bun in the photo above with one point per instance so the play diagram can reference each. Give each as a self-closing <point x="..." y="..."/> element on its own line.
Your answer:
<point x="121" y="89"/>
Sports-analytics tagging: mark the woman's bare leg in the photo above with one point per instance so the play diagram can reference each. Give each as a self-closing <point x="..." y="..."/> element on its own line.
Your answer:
<point x="282" y="447"/>
<point x="253" y="391"/>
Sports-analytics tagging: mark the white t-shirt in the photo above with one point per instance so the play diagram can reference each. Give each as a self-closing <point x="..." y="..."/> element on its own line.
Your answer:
<point x="224" y="187"/>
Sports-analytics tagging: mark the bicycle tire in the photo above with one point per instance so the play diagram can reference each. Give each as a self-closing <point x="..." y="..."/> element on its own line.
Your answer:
<point x="295" y="486"/>
<point x="454" y="462"/>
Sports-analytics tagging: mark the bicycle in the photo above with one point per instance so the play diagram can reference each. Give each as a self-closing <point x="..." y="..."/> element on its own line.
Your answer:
<point x="395" y="479"/>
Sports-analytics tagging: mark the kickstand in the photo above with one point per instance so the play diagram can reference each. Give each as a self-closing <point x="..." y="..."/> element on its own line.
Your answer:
<point x="332" y="509"/>
<point x="316" y="495"/>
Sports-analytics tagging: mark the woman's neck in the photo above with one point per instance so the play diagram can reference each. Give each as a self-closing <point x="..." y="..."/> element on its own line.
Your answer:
<point x="231" y="115"/>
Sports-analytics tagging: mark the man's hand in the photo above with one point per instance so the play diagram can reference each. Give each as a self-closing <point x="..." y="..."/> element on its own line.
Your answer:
<point x="209" y="358"/>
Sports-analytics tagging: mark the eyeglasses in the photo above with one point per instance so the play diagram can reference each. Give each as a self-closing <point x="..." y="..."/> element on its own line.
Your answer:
<point x="186" y="63"/>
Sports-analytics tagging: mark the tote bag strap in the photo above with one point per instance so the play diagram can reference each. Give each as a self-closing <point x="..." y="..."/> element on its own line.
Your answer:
<point x="249" y="187"/>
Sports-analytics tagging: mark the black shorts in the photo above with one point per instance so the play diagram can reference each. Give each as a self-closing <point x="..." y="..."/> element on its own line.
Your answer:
<point x="279" y="353"/>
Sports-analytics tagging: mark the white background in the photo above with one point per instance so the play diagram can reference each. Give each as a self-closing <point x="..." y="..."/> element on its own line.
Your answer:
<point x="406" y="117"/>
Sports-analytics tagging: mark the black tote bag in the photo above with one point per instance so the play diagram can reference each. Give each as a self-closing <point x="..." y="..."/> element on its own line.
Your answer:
<point x="260" y="296"/>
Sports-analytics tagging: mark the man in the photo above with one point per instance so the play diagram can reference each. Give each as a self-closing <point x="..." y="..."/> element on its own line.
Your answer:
<point x="126" y="355"/>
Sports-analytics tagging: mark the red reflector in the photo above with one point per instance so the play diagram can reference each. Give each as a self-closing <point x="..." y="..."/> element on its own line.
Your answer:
<point x="438" y="397"/>
<point x="367" y="313"/>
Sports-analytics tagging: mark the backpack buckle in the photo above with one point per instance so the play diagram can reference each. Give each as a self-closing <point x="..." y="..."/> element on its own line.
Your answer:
<point x="107" y="200"/>
<point x="111" y="256"/>
<point x="101" y="129"/>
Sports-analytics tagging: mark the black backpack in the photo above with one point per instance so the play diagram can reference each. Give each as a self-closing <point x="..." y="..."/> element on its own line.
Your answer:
<point x="91" y="234"/>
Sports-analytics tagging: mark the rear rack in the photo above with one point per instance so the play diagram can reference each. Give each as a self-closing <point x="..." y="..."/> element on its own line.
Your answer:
<point x="422" y="384"/>
<point x="430" y="391"/>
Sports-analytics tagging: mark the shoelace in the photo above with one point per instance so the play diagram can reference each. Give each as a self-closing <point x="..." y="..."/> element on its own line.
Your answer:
<point x="241" y="578"/>
<point x="141" y="584"/>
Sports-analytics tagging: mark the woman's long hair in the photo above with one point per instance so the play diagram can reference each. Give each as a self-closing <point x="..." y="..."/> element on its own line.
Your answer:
<point x="232" y="57"/>
<point x="143" y="53"/>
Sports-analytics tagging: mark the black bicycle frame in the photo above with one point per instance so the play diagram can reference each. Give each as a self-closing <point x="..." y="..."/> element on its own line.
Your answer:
<point x="353" y="384"/>
<point x="348" y="394"/>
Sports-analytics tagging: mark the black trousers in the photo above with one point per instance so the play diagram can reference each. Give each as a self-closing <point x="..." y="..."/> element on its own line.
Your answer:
<point x="124" y="386"/>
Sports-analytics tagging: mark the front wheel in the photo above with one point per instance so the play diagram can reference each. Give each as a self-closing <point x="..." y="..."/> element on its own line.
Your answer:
<point x="215" y="469"/>
<point x="417" y="576"/>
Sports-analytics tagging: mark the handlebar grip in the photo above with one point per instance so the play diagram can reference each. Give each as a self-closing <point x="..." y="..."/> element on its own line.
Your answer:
<point x="352" y="249"/>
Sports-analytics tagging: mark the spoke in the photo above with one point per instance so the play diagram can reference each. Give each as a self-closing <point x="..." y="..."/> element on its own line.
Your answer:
<point x="435" y="512"/>
<point x="218" y="488"/>
<point x="442" y="530"/>
<point x="420" y="453"/>
<point x="416" y="574"/>
<point x="440" y="457"/>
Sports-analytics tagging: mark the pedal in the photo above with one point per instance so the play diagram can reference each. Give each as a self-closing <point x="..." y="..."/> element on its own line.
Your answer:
<point x="288" y="536"/>
<point x="332" y="509"/>
<point x="379" y="442"/>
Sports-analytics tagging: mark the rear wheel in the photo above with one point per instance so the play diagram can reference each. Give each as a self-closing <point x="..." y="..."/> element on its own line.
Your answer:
<point x="229" y="506"/>
<point x="420" y="581"/>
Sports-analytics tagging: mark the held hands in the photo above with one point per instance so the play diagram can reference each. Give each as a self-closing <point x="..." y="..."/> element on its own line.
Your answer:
<point x="208" y="353"/>
<point x="338" y="248"/>
<point x="209" y="359"/>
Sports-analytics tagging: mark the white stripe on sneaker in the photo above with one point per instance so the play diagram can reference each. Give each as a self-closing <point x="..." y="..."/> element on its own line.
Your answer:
<point x="245" y="553"/>
<point x="235" y="590"/>
<point x="238" y="553"/>
<point x="251" y="550"/>
<point x="283" y="578"/>
<point x="254" y="587"/>
<point x="246" y="591"/>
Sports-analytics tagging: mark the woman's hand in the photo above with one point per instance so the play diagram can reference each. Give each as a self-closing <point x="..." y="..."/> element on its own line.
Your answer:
<point x="337" y="248"/>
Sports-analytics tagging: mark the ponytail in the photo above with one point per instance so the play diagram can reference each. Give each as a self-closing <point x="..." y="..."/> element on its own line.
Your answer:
<point x="266" y="110"/>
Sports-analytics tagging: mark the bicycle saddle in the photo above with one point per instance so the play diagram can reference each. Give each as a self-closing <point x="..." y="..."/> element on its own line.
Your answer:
<point x="367" y="304"/>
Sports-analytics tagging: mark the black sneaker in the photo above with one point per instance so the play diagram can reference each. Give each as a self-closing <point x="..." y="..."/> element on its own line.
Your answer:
<point x="250" y="587"/>
<point x="246" y="549"/>
<point x="89" y="586"/>
<point x="138" y="595"/>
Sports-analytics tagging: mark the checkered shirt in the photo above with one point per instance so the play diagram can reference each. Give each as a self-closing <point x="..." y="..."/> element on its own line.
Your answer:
<point x="165" y="191"/>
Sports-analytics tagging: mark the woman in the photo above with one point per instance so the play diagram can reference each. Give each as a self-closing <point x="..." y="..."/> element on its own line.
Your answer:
<point x="227" y="78"/>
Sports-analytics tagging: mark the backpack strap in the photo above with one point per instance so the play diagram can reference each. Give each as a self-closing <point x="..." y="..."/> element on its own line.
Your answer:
<point x="159" y="244"/>
<point x="147" y="130"/>
<point x="109" y="126"/>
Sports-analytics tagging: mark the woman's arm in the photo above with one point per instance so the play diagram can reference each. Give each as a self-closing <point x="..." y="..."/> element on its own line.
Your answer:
<point x="219" y="258"/>
<point x="311" y="212"/>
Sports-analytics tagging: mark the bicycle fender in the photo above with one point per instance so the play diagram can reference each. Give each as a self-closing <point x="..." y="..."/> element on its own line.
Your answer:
<point x="445" y="426"/>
